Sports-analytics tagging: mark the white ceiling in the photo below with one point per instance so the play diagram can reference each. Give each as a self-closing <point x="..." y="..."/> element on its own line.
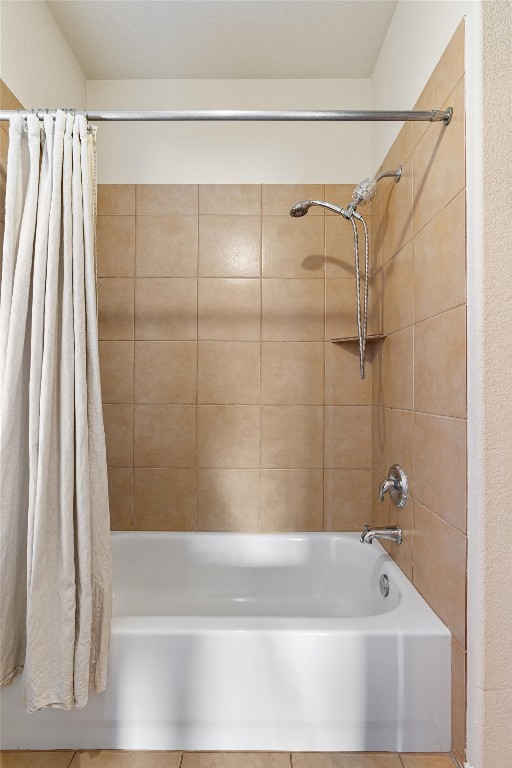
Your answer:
<point x="126" y="39"/>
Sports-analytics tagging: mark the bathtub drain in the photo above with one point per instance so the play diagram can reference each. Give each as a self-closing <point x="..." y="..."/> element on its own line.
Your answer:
<point x="384" y="585"/>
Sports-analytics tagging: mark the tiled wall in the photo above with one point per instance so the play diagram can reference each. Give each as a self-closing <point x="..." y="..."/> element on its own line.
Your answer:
<point x="419" y="372"/>
<point x="225" y="406"/>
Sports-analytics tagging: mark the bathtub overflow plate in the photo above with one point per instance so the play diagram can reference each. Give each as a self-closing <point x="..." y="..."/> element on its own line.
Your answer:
<point x="384" y="585"/>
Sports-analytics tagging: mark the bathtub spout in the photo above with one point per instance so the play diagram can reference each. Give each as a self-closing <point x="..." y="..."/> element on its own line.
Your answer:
<point x="390" y="533"/>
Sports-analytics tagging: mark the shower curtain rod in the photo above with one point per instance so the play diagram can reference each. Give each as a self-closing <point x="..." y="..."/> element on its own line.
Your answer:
<point x="434" y="115"/>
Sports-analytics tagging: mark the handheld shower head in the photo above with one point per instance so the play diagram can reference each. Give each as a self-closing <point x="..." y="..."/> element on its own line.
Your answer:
<point x="300" y="209"/>
<point x="303" y="206"/>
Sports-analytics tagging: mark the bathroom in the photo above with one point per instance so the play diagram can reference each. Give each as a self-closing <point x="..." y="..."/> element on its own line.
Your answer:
<point x="236" y="428"/>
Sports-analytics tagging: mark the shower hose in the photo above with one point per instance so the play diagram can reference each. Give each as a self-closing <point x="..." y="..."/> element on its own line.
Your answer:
<point x="362" y="322"/>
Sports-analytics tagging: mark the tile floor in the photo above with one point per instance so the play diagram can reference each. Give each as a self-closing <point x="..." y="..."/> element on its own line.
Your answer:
<point x="119" y="759"/>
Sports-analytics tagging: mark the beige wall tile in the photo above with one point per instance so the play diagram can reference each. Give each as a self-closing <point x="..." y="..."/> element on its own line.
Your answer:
<point x="378" y="460"/>
<point x="427" y="761"/>
<point x="348" y="437"/>
<point x="164" y="499"/>
<point x="166" y="246"/>
<point x="118" y="422"/>
<point x="116" y="369"/>
<point x="236" y="760"/>
<point x="440" y="467"/>
<point x="376" y="236"/>
<point x="115" y="308"/>
<point x="439" y="163"/>
<point x="291" y="436"/>
<point x="402" y="553"/>
<point x="7" y="98"/>
<point x="398" y="291"/>
<point x="340" y="310"/>
<point x="458" y="699"/>
<point x="293" y="247"/>
<point x="277" y="199"/>
<point x="292" y="373"/>
<point x="375" y="301"/>
<point x="115" y="238"/>
<point x="228" y="372"/>
<point x="229" y="246"/>
<point x="440" y="261"/>
<point x="34" y="759"/>
<point x="398" y="441"/>
<point x="120" y="759"/>
<point x="116" y="199"/>
<point x="120" y="497"/>
<point x="339" y="194"/>
<point x="230" y="198"/>
<point x="166" y="372"/>
<point x="400" y="152"/>
<point x="376" y="505"/>
<point x="446" y="75"/>
<point x="165" y="436"/>
<point x="167" y="199"/>
<point x="398" y="388"/>
<point x="291" y="500"/>
<point x="228" y="436"/>
<point x="347" y="499"/>
<point x="377" y="354"/>
<point x="339" y="245"/>
<point x="397" y="216"/>
<point x="229" y="309"/>
<point x="440" y="569"/>
<point x="345" y="760"/>
<point x="166" y="309"/>
<point x="343" y="384"/>
<point x="292" y="310"/>
<point x="228" y="499"/>
<point x="440" y="364"/>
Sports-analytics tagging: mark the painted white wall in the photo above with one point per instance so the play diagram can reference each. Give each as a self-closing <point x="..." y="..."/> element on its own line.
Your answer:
<point x="489" y="157"/>
<point x="36" y="62"/>
<point x="417" y="36"/>
<point x="231" y="153"/>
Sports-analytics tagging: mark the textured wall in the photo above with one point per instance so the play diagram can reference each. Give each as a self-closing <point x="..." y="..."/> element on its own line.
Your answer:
<point x="225" y="406"/>
<point x="419" y="392"/>
<point x="36" y="62"/>
<point x="490" y="395"/>
<point x="232" y="153"/>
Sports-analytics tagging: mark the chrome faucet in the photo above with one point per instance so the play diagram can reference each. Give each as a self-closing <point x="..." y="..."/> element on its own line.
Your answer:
<point x="390" y="533"/>
<point x="386" y="487"/>
<point x="396" y="485"/>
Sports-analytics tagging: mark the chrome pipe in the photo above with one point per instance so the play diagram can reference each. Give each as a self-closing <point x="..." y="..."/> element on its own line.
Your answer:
<point x="432" y="116"/>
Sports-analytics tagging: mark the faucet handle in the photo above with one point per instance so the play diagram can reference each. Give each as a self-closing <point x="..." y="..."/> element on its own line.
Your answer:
<point x="397" y="485"/>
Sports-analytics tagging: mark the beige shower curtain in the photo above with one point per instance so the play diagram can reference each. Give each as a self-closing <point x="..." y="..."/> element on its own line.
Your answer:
<point x="55" y="569"/>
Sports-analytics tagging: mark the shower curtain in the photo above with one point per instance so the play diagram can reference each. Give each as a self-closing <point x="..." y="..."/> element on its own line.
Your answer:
<point x="55" y="569"/>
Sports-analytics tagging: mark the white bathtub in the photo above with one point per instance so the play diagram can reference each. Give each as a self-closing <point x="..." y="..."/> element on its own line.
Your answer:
<point x="257" y="641"/>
